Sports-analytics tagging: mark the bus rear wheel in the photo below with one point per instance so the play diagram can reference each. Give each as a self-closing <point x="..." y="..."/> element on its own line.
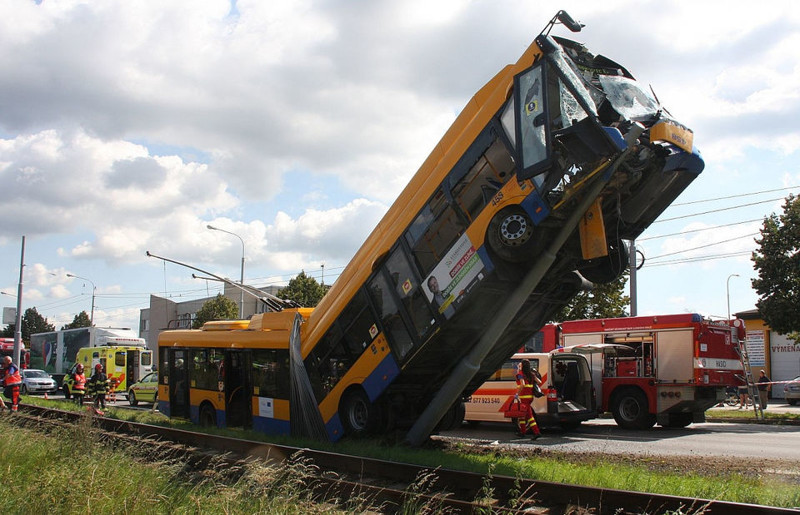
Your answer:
<point x="208" y="416"/>
<point x="510" y="235"/>
<point x="359" y="416"/>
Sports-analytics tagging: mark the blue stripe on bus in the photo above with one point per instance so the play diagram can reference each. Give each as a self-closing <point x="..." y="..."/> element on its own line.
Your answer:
<point x="194" y="416"/>
<point x="535" y="207"/>
<point x="381" y="377"/>
<point x="488" y="265"/>
<point x="334" y="428"/>
<point x="272" y="426"/>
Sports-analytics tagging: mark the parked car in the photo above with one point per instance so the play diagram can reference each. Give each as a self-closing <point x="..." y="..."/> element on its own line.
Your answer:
<point x="145" y="390"/>
<point x="37" y="381"/>
<point x="791" y="391"/>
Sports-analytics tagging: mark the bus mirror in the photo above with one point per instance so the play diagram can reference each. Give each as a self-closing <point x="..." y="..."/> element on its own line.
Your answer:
<point x="568" y="22"/>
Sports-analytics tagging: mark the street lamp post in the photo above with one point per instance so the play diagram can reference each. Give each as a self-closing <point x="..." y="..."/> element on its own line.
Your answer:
<point x="728" y="293"/>
<point x="241" y="281"/>
<point x="94" y="290"/>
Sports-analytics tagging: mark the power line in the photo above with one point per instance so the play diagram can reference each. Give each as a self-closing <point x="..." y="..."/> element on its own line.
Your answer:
<point x="733" y="196"/>
<point x="705" y="246"/>
<point x="709" y="257"/>
<point x="717" y="210"/>
<point x="698" y="230"/>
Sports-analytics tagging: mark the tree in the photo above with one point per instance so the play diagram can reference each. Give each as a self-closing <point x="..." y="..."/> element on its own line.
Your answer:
<point x="218" y="308"/>
<point x="80" y="320"/>
<point x="304" y="290"/>
<point x="777" y="263"/>
<point x="32" y="323"/>
<point x="602" y="301"/>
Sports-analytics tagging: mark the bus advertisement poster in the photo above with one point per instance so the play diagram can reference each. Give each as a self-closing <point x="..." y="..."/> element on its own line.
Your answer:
<point x="453" y="276"/>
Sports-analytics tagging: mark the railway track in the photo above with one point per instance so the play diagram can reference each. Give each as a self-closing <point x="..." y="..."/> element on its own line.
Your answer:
<point x="391" y="485"/>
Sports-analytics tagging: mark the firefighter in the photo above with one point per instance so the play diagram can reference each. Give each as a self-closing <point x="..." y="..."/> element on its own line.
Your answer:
<point x="12" y="380"/>
<point x="527" y="380"/>
<point x="98" y="386"/>
<point x="79" y="384"/>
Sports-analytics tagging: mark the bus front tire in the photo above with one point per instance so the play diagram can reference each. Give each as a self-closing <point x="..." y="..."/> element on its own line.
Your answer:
<point x="510" y="235"/>
<point x="631" y="411"/>
<point x="208" y="416"/>
<point x="358" y="414"/>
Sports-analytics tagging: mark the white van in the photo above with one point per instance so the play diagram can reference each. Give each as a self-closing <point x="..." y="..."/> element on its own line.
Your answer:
<point x="567" y="386"/>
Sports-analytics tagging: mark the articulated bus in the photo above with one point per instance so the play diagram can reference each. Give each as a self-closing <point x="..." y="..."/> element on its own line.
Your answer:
<point x="528" y="196"/>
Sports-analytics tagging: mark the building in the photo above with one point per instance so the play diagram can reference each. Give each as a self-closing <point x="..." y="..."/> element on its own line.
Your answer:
<point x="770" y="351"/>
<point x="166" y="313"/>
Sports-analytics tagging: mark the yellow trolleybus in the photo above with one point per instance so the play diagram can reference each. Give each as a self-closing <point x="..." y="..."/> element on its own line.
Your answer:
<point x="529" y="195"/>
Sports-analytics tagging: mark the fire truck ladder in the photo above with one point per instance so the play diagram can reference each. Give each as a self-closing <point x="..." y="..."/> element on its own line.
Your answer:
<point x="752" y="392"/>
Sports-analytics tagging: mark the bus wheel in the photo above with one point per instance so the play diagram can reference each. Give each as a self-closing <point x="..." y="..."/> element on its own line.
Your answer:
<point x="510" y="235"/>
<point x="358" y="415"/>
<point x="607" y="269"/>
<point x="208" y="417"/>
<point x="630" y="410"/>
<point x="66" y="392"/>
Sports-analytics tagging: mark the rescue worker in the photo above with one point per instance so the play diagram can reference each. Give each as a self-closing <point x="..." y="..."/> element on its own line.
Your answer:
<point x="11" y="381"/>
<point x="79" y="384"/>
<point x="98" y="386"/>
<point x="526" y="379"/>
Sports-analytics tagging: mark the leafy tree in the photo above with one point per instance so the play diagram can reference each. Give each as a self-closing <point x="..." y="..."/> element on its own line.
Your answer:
<point x="777" y="262"/>
<point x="304" y="290"/>
<point x="32" y="323"/>
<point x="8" y="331"/>
<point x="81" y="320"/>
<point x="602" y="301"/>
<point x="218" y="308"/>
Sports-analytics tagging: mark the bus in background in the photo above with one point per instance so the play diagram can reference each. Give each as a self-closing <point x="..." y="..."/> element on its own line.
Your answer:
<point x="549" y="167"/>
<point x="567" y="388"/>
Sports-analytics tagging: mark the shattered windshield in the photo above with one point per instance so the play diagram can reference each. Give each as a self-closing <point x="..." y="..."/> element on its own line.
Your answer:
<point x="629" y="98"/>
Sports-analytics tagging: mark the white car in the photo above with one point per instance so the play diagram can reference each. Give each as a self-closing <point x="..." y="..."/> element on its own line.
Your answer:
<point x="791" y="391"/>
<point x="37" y="381"/>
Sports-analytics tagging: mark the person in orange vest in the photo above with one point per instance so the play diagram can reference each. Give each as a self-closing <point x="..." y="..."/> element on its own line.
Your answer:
<point x="11" y="381"/>
<point x="526" y="379"/>
<point x="79" y="385"/>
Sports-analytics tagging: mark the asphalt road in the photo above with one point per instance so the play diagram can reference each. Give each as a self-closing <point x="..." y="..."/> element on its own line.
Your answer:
<point x="722" y="439"/>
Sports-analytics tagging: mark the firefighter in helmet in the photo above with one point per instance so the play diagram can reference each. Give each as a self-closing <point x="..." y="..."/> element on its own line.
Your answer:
<point x="79" y="384"/>
<point x="98" y="386"/>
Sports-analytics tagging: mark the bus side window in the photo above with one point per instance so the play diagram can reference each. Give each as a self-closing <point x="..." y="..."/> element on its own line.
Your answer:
<point x="389" y="313"/>
<point x="357" y="322"/>
<point x="408" y="290"/>
<point x="271" y="373"/>
<point x="433" y="231"/>
<point x="476" y="188"/>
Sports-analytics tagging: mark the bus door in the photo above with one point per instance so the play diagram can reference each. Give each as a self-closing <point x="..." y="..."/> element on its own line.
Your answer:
<point x="405" y="312"/>
<point x="132" y="367"/>
<point x="178" y="383"/>
<point x="238" y="390"/>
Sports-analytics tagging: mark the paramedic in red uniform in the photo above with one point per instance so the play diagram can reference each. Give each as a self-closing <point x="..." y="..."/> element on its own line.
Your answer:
<point x="526" y="379"/>
<point x="12" y="381"/>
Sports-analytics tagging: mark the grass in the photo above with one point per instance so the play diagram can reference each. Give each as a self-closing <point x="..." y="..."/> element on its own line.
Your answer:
<point x="606" y="473"/>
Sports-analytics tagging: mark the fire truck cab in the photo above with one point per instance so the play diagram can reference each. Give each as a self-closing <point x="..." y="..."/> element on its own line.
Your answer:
<point x="656" y="369"/>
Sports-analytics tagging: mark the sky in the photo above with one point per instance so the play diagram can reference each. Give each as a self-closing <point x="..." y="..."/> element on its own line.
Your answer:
<point x="128" y="127"/>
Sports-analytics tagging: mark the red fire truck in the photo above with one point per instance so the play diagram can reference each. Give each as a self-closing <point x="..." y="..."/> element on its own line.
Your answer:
<point x="7" y="349"/>
<point x="655" y="369"/>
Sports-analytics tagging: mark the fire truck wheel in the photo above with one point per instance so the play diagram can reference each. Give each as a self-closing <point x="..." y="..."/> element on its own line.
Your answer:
<point x="510" y="235"/>
<point x="359" y="416"/>
<point x="630" y="410"/>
